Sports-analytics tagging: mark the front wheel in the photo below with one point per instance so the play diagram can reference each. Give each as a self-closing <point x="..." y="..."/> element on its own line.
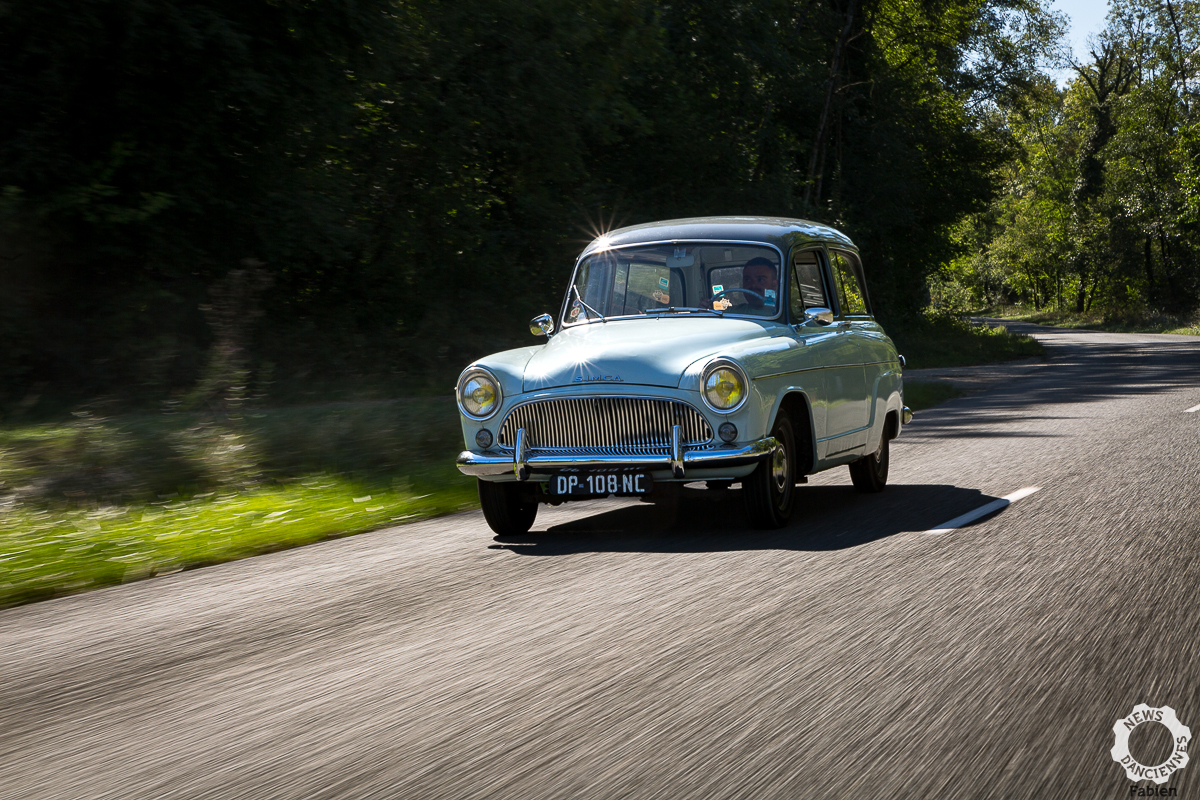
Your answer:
<point x="770" y="490"/>
<point x="870" y="473"/>
<point x="509" y="511"/>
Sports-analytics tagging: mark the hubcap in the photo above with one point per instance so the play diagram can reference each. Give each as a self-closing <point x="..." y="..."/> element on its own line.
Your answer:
<point x="779" y="468"/>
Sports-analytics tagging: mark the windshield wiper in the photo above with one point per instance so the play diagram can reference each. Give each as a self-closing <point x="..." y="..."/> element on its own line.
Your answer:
<point x="575" y="289"/>
<point x="683" y="310"/>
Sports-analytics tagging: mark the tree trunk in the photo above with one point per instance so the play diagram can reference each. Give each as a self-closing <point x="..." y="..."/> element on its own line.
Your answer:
<point x="1112" y="78"/>
<point x="1171" y="294"/>
<point x="816" y="162"/>
<point x="1149" y="269"/>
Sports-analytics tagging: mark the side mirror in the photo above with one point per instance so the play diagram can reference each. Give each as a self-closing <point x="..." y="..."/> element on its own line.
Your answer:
<point x="822" y="316"/>
<point x="543" y="325"/>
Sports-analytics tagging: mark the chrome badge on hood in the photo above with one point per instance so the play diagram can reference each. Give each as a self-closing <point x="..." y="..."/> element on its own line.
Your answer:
<point x="592" y="378"/>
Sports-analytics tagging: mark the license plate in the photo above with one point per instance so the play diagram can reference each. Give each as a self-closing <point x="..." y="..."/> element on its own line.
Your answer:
<point x="600" y="484"/>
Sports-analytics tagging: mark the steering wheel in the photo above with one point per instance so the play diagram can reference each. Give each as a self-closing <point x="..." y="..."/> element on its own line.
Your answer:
<point x="724" y="292"/>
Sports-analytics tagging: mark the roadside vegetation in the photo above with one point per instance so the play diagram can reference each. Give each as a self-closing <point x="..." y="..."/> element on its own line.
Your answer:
<point x="951" y="341"/>
<point x="1096" y="223"/>
<point x="919" y="395"/>
<point x="1114" y="321"/>
<point x="101" y="500"/>
<point x="386" y="189"/>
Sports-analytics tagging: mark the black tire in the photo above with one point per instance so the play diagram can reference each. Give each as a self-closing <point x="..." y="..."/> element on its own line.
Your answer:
<point x="507" y="507"/>
<point x="770" y="490"/>
<point x="870" y="473"/>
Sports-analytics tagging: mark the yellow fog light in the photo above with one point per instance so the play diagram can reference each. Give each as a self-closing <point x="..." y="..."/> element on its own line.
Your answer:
<point x="724" y="388"/>
<point x="478" y="394"/>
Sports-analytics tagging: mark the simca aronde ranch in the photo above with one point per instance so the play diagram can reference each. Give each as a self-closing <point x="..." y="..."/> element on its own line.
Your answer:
<point x="720" y="349"/>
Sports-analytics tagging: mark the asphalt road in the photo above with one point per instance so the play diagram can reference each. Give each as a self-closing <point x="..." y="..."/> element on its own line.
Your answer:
<point x="619" y="652"/>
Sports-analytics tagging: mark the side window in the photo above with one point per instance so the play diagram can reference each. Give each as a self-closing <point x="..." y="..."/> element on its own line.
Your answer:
<point x="848" y="273"/>
<point x="808" y="285"/>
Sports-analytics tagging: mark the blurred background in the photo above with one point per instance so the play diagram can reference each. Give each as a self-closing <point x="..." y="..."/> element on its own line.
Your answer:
<point x="245" y="244"/>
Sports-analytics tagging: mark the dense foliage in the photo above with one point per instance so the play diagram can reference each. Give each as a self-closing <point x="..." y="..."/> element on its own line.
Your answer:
<point x="209" y="199"/>
<point x="1100" y="209"/>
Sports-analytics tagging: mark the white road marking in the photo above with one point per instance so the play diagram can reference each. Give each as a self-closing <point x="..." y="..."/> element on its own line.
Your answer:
<point x="983" y="511"/>
<point x="1190" y="410"/>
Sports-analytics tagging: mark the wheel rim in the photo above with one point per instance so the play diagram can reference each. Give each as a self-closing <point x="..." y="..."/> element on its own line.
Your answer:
<point x="779" y="469"/>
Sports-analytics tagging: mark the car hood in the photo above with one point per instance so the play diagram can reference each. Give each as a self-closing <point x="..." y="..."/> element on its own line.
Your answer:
<point x="651" y="352"/>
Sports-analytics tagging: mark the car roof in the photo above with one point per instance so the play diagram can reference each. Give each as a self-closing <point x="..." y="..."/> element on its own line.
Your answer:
<point x="779" y="231"/>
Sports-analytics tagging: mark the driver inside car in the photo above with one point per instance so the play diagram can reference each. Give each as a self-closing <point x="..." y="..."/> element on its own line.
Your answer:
<point x="760" y="278"/>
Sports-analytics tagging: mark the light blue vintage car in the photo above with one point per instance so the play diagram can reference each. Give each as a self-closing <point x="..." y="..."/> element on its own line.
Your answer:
<point x="718" y="349"/>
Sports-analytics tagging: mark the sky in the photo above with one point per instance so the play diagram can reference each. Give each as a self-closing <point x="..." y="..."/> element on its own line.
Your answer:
<point x="1087" y="17"/>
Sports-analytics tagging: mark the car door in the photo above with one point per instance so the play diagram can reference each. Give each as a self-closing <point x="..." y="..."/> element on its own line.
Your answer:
<point x="808" y="288"/>
<point x="852" y="396"/>
<point x="832" y="352"/>
<point x="874" y="346"/>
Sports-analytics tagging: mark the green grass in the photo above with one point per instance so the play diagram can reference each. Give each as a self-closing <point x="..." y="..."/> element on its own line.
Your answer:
<point x="919" y="395"/>
<point x="99" y="500"/>
<point x="46" y="553"/>
<point x="952" y="342"/>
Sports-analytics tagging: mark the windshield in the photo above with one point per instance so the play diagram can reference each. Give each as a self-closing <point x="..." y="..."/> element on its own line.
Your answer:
<point x="713" y="278"/>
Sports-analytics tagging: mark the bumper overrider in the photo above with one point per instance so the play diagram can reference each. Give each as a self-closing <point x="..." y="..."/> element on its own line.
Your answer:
<point x="523" y="463"/>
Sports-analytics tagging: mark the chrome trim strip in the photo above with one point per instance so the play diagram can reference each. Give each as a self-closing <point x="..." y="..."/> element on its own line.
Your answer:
<point x="810" y="369"/>
<point x="520" y="457"/>
<point x="796" y="371"/>
<point x="486" y="464"/>
<point x="845" y="433"/>
<point x="676" y="453"/>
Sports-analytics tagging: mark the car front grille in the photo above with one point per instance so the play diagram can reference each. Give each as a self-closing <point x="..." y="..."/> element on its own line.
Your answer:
<point x="606" y="425"/>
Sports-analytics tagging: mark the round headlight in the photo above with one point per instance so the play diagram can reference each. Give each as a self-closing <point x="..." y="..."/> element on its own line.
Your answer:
<point x="724" y="388"/>
<point x="478" y="394"/>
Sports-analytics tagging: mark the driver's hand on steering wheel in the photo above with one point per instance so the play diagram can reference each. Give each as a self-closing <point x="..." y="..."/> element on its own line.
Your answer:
<point x="719" y="299"/>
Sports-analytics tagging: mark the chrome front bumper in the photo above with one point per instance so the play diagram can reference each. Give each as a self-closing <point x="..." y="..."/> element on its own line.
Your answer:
<point x="522" y="463"/>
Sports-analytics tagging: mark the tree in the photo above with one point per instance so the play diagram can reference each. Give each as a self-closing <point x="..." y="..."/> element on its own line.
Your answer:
<point x="415" y="178"/>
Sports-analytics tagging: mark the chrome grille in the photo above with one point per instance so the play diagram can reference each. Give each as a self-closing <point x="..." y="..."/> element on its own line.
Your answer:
<point x="612" y="425"/>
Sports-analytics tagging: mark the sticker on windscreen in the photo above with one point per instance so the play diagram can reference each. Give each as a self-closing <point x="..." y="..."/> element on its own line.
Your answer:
<point x="770" y="297"/>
